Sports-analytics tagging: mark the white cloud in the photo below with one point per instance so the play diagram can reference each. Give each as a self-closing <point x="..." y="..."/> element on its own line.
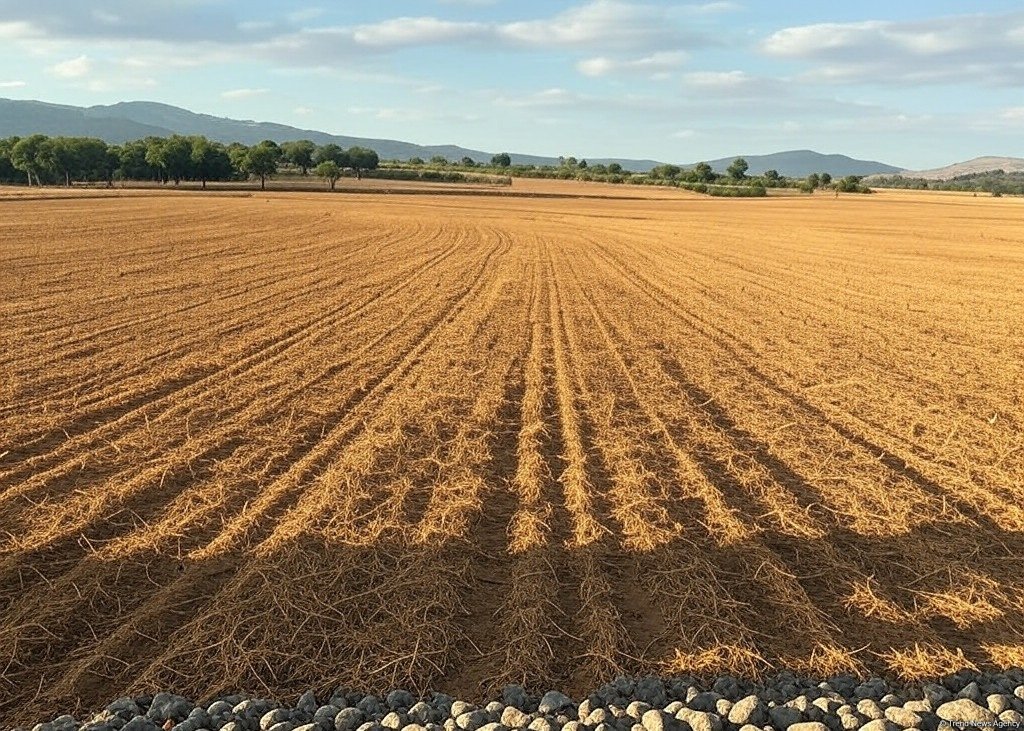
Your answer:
<point x="1013" y="114"/>
<point x="302" y="111"/>
<point x="12" y="84"/>
<point x="74" y="68"/>
<point x="981" y="47"/>
<point x="655" y="64"/>
<point x="399" y="32"/>
<point x="242" y="93"/>
<point x="683" y="134"/>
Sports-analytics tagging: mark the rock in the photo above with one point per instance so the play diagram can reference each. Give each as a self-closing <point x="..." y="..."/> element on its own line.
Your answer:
<point x="965" y="711"/>
<point x="371" y="726"/>
<point x="493" y="710"/>
<point x="903" y="717"/>
<point x="1019" y="692"/>
<point x="394" y="721"/>
<point x="399" y="699"/>
<point x="726" y="687"/>
<point x="515" y="695"/>
<point x="422" y="713"/>
<point x="691" y="693"/>
<point x="414" y="727"/>
<point x="561" y="719"/>
<point x="371" y="706"/>
<point x="936" y="694"/>
<point x="125" y="708"/>
<point x="166" y="706"/>
<point x="540" y="724"/>
<point x="651" y="690"/>
<point x="449" y="724"/>
<point x="655" y="720"/>
<point x="460" y="707"/>
<point x="141" y="723"/>
<point x="597" y="716"/>
<point x="324" y="716"/>
<point x="307" y="702"/>
<point x="870" y="709"/>
<point x="809" y="726"/>
<point x="555" y="702"/>
<point x="637" y="709"/>
<point x="699" y="720"/>
<point x="723" y="706"/>
<point x="918" y="707"/>
<point x="749" y="710"/>
<point x="349" y="719"/>
<point x="848" y="721"/>
<point x="307" y="727"/>
<point x="512" y="717"/>
<point x="282" y="726"/>
<point x="623" y="686"/>
<point x="879" y="724"/>
<point x="442" y="702"/>
<point x="219" y="708"/>
<point x="784" y="717"/>
<point x="971" y="692"/>
<point x="275" y="716"/>
<point x="704" y="702"/>
<point x="1012" y="718"/>
<point x="997" y="703"/>
<point x="471" y="720"/>
<point x="826" y="705"/>
<point x="674" y="707"/>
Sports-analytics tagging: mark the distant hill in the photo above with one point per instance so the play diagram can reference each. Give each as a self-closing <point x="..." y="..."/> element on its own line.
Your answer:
<point x="801" y="163"/>
<point x="124" y="121"/>
<point x="977" y="165"/>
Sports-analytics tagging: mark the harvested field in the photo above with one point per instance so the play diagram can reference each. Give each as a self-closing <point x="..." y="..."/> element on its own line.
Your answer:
<point x="276" y="442"/>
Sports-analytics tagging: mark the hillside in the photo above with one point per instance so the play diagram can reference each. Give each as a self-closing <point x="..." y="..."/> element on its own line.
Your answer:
<point x="131" y="120"/>
<point x="969" y="167"/>
<point x="801" y="163"/>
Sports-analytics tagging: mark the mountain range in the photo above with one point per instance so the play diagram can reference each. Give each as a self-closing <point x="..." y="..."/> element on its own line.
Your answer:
<point x="125" y="121"/>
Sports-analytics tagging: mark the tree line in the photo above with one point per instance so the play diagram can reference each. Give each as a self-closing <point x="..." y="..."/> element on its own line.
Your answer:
<point x="42" y="160"/>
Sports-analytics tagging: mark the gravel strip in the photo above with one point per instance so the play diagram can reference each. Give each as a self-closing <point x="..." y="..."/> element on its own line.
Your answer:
<point x="964" y="700"/>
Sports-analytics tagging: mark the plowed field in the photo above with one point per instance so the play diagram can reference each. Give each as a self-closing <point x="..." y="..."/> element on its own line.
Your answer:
<point x="289" y="441"/>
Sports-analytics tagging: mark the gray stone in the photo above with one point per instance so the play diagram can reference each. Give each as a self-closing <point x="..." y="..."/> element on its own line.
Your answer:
<point x="512" y="717"/>
<point x="997" y="703"/>
<point x="597" y="716"/>
<point x="651" y="690"/>
<point x="371" y="726"/>
<point x="282" y="726"/>
<point x="394" y="720"/>
<point x="273" y="717"/>
<point x="324" y="716"/>
<point x="637" y="709"/>
<point x="723" y="706"/>
<point x="870" y="709"/>
<point x="606" y="727"/>
<point x="573" y="726"/>
<point x="349" y="719"/>
<point x="691" y="693"/>
<point x="141" y="723"/>
<point x="879" y="724"/>
<point x="460" y="707"/>
<point x="1019" y="692"/>
<point x="399" y="699"/>
<point x="126" y="708"/>
<point x="849" y="721"/>
<point x="540" y="724"/>
<point x="252" y="707"/>
<point x="700" y="720"/>
<point x="371" y="706"/>
<point x="449" y="724"/>
<point x="442" y="702"/>
<point x="704" y="702"/>
<point x="970" y="692"/>
<point x="234" y="726"/>
<point x="655" y="720"/>
<point x="965" y="711"/>
<point x="826" y="705"/>
<point x="749" y="710"/>
<point x="561" y="719"/>
<point x="674" y="707"/>
<point x="784" y="717"/>
<point x="809" y="726"/>
<point x="219" y="708"/>
<point x="936" y="694"/>
<point x="307" y="702"/>
<point x="515" y="695"/>
<point x="922" y="706"/>
<point x="471" y="720"/>
<point x="903" y="717"/>
<point x="167" y="706"/>
<point x="889" y="699"/>
<point x="554" y="702"/>
<point x="422" y="713"/>
<point x="308" y="727"/>
<point x="413" y="727"/>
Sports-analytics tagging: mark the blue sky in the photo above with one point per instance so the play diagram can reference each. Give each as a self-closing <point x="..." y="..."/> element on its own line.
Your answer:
<point x="915" y="84"/>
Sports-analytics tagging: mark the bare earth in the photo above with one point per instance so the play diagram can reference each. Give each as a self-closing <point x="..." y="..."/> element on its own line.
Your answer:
<point x="280" y="441"/>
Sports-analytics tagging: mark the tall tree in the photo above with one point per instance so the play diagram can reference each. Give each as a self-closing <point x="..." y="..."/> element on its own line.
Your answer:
<point x="25" y="155"/>
<point x="300" y="154"/>
<point x="261" y="160"/>
<point x="362" y="158"/>
<point x="502" y="160"/>
<point x="329" y="171"/>
<point x="737" y="170"/>
<point x="210" y="160"/>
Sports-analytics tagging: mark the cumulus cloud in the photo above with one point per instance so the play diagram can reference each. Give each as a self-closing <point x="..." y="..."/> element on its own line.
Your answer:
<point x="12" y="84"/>
<point x="73" y="68"/>
<point x="653" y="65"/>
<point x="242" y="93"/>
<point x="979" y="47"/>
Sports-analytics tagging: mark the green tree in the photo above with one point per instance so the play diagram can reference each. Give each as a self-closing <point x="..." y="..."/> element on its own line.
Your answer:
<point x="737" y="170"/>
<point x="329" y="171"/>
<point x="210" y="160"/>
<point x="439" y="160"/>
<point x="300" y="154"/>
<point x="362" y="158"/>
<point x="825" y="179"/>
<point x="772" y="176"/>
<point x="813" y="181"/>
<point x="502" y="160"/>
<point x="25" y="156"/>
<point x="331" y="153"/>
<point x="615" y="169"/>
<point x="8" y="173"/>
<point x="172" y="156"/>
<point x="261" y="160"/>
<point x="468" y="162"/>
<point x="236" y="153"/>
<point x="582" y="165"/>
<point x="416" y="161"/>
<point x="703" y="173"/>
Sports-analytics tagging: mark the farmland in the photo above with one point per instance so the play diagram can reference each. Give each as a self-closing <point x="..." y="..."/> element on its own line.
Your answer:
<point x="292" y="440"/>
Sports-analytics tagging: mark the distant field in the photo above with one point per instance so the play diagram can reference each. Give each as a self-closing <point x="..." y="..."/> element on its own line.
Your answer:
<point x="280" y="441"/>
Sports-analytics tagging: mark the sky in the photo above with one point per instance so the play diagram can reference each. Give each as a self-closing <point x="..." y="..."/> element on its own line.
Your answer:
<point x="916" y="84"/>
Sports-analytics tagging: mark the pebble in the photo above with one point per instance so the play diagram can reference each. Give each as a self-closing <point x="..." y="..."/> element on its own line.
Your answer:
<point x="553" y="702"/>
<point x="748" y="711"/>
<point x="348" y="719"/>
<point x="512" y="717"/>
<point x="637" y="709"/>
<point x="809" y="726"/>
<point x="654" y="720"/>
<point x="879" y="724"/>
<point x="700" y="720"/>
<point x="965" y="711"/>
<point x="903" y="717"/>
<point x="394" y="721"/>
<point x="870" y="709"/>
<point x="997" y="703"/>
<point x="784" y="717"/>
